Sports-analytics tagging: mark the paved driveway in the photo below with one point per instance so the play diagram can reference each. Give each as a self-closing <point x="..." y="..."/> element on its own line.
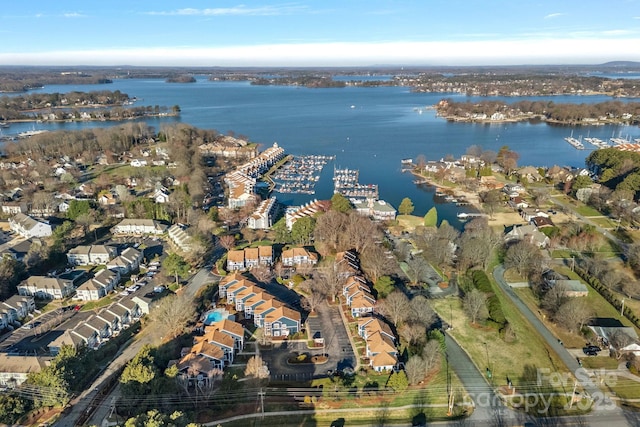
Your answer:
<point x="327" y="324"/>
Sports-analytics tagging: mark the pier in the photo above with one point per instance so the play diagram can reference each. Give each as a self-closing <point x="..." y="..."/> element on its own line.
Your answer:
<point x="345" y="182"/>
<point x="465" y="215"/>
<point x="299" y="174"/>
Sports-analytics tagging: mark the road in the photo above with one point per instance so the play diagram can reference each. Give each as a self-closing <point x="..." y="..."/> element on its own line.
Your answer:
<point x="603" y="407"/>
<point x="82" y="402"/>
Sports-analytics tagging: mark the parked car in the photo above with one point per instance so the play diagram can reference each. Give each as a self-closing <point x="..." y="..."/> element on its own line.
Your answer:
<point x="590" y="351"/>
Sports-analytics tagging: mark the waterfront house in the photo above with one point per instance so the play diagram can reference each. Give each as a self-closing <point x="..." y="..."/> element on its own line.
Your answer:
<point x="528" y="232"/>
<point x="28" y="227"/>
<point x="46" y="287"/>
<point x="298" y="256"/>
<point x="294" y="213"/>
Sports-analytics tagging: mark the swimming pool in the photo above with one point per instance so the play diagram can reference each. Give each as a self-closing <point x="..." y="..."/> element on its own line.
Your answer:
<point x="216" y="315"/>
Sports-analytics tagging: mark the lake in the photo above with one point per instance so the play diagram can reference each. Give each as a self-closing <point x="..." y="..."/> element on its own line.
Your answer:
<point x="370" y="129"/>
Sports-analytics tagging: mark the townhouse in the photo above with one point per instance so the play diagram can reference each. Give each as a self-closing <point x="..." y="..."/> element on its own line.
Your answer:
<point x="15" y="309"/>
<point x="14" y="370"/>
<point x="267" y="312"/>
<point x="298" y="256"/>
<point x="262" y="217"/>
<point x="29" y="227"/>
<point x="43" y="287"/>
<point x="139" y="227"/>
<point x="99" y="286"/>
<point x="180" y="238"/>
<point x="294" y="213"/>
<point x="90" y="255"/>
<point x="128" y="261"/>
<point x="248" y="258"/>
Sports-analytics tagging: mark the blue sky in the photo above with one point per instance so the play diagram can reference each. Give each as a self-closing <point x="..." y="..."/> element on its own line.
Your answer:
<point x="318" y="33"/>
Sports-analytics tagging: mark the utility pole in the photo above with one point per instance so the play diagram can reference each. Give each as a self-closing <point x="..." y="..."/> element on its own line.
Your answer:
<point x="261" y="394"/>
<point x="622" y="308"/>
<point x="573" y="393"/>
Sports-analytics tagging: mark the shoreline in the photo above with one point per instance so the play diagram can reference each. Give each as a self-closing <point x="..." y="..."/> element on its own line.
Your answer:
<point x="470" y="197"/>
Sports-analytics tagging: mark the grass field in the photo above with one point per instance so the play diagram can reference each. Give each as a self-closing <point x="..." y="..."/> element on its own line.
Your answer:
<point x="516" y="360"/>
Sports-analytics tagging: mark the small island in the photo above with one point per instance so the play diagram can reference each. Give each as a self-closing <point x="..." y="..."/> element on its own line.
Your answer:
<point x="181" y="79"/>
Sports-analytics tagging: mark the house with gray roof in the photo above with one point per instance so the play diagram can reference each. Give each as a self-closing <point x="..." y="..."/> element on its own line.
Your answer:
<point x="29" y="227"/>
<point x="46" y="287"/>
<point x="127" y="262"/>
<point x="14" y="370"/>
<point x="90" y="255"/>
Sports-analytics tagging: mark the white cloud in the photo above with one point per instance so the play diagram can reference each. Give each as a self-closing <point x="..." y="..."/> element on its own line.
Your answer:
<point x="511" y="52"/>
<point x="240" y="10"/>
<point x="553" y="15"/>
<point x="74" y="15"/>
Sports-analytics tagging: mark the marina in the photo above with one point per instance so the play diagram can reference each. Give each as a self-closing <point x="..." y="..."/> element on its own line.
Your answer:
<point x="300" y="174"/>
<point x="346" y="182"/>
<point x="577" y="144"/>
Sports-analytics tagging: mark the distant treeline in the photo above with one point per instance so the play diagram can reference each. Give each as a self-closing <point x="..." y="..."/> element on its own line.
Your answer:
<point x="22" y="81"/>
<point x="546" y="110"/>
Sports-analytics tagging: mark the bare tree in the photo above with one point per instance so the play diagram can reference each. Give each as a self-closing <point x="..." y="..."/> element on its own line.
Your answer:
<point x="415" y="370"/>
<point x="262" y="273"/>
<point x="375" y="263"/>
<point x="330" y="279"/>
<point x="420" y="311"/>
<point x="610" y="278"/>
<point x="432" y="355"/>
<point x="395" y="307"/>
<point x="413" y="334"/>
<point x="555" y="297"/>
<point x="227" y="241"/>
<point x="525" y="257"/>
<point x="630" y="287"/>
<point x="540" y="196"/>
<point x="313" y="295"/>
<point x="173" y="314"/>
<point x="619" y="340"/>
<point x="249" y="234"/>
<point x="418" y="268"/>
<point x="329" y="228"/>
<point x="474" y="305"/>
<point x="256" y="369"/>
<point x="573" y="314"/>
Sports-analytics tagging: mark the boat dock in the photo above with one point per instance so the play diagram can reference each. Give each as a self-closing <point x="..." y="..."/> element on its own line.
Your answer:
<point x="346" y="182"/>
<point x="300" y="174"/>
<point x="465" y="215"/>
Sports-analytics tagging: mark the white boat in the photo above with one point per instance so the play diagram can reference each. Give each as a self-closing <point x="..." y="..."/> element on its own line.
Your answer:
<point x="30" y="133"/>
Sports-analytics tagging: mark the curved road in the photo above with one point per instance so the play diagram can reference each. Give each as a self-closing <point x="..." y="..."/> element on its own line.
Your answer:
<point x="604" y="406"/>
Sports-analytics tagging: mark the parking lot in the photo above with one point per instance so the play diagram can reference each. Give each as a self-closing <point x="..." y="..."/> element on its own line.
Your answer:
<point x="327" y="324"/>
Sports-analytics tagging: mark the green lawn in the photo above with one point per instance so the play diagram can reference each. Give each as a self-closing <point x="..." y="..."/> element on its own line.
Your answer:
<point x="516" y="360"/>
<point x="585" y="210"/>
<point x="92" y="305"/>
